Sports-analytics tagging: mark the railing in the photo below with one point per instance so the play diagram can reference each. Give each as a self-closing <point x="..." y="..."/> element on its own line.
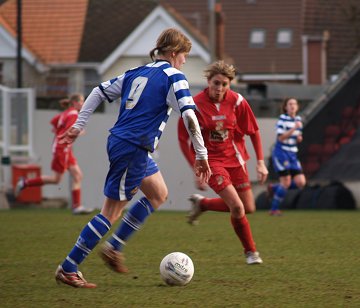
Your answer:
<point x="346" y="73"/>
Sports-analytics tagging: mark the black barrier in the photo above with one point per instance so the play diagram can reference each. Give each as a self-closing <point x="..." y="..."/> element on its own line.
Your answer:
<point x="334" y="195"/>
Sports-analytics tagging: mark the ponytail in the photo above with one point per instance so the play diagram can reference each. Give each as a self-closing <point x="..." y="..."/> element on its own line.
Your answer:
<point x="65" y="103"/>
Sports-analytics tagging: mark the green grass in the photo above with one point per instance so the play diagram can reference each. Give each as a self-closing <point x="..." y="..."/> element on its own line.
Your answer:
<point x="311" y="259"/>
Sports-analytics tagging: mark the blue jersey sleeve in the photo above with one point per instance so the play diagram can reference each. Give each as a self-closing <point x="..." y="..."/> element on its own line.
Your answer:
<point x="179" y="97"/>
<point x="112" y="88"/>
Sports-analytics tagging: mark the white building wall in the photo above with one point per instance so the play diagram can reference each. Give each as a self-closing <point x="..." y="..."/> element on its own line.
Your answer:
<point x="90" y="149"/>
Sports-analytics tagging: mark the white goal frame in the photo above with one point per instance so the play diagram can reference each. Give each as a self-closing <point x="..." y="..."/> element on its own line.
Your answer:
<point x="10" y="122"/>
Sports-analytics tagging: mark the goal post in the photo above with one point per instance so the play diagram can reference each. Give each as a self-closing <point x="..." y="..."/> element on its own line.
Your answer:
<point x="17" y="108"/>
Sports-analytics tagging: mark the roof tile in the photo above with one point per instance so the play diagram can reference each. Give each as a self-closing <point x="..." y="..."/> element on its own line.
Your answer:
<point x="51" y="29"/>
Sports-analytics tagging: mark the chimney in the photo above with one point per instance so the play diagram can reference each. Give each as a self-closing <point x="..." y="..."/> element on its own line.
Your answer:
<point x="220" y="32"/>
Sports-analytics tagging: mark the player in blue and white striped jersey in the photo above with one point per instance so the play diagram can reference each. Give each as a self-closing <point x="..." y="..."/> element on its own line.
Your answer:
<point x="147" y="95"/>
<point x="284" y="155"/>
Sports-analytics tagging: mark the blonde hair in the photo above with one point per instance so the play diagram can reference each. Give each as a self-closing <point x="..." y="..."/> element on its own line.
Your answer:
<point x="170" y="40"/>
<point x="220" y="67"/>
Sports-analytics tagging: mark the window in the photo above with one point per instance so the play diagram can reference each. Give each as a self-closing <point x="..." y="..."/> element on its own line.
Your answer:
<point x="92" y="79"/>
<point x="57" y="83"/>
<point x="284" y="38"/>
<point x="257" y="38"/>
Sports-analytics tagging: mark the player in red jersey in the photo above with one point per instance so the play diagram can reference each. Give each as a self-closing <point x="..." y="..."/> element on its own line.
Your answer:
<point x="225" y="118"/>
<point x="63" y="156"/>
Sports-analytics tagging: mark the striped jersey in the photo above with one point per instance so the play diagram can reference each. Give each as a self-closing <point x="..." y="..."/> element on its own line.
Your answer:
<point x="148" y="94"/>
<point x="284" y="124"/>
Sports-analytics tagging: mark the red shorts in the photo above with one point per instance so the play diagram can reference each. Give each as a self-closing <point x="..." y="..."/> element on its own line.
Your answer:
<point x="63" y="158"/>
<point x="225" y="176"/>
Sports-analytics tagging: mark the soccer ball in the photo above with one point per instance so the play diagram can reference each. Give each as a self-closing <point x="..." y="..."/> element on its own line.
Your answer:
<point x="176" y="269"/>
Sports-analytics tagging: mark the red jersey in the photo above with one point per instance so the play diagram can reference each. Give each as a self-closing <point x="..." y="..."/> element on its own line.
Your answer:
<point x="61" y="123"/>
<point x="188" y="150"/>
<point x="223" y="126"/>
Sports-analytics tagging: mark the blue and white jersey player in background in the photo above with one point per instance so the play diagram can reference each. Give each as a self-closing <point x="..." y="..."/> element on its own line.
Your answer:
<point x="148" y="94"/>
<point x="284" y="155"/>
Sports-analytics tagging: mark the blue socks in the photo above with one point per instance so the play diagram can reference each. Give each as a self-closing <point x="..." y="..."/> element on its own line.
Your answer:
<point x="279" y="195"/>
<point x="131" y="222"/>
<point x="99" y="226"/>
<point x="89" y="237"/>
<point x="293" y="185"/>
<point x="274" y="187"/>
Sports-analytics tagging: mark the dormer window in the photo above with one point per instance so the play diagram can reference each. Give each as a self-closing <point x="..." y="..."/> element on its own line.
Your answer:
<point x="284" y="38"/>
<point x="257" y="38"/>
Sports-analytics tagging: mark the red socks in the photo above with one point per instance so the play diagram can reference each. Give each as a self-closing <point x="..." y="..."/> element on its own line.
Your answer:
<point x="214" y="204"/>
<point x="243" y="232"/>
<point x="76" y="198"/>
<point x="34" y="182"/>
<point x="241" y="225"/>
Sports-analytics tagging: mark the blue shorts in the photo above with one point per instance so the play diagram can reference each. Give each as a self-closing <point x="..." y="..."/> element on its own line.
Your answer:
<point x="129" y="164"/>
<point x="285" y="161"/>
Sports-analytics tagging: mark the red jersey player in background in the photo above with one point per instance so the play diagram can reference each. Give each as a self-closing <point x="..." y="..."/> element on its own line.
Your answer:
<point x="63" y="156"/>
<point x="225" y="117"/>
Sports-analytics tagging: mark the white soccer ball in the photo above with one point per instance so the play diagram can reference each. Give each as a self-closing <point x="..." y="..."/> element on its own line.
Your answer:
<point x="176" y="269"/>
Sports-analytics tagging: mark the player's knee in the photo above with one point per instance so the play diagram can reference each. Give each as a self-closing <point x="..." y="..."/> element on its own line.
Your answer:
<point x="163" y="197"/>
<point x="77" y="178"/>
<point x="57" y="180"/>
<point x="250" y="209"/>
<point x="300" y="181"/>
<point x="301" y="185"/>
<point x="158" y="199"/>
<point x="237" y="211"/>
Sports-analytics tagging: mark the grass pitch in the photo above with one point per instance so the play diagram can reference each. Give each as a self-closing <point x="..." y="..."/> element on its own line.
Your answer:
<point x="311" y="259"/>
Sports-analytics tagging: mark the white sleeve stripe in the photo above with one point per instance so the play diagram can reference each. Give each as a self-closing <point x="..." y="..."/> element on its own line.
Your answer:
<point x="106" y="84"/>
<point x="238" y="155"/>
<point x="289" y="148"/>
<point x="180" y="85"/>
<point x="171" y="71"/>
<point x="186" y="100"/>
<point x="290" y="141"/>
<point x="72" y="112"/>
<point x="239" y="100"/>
